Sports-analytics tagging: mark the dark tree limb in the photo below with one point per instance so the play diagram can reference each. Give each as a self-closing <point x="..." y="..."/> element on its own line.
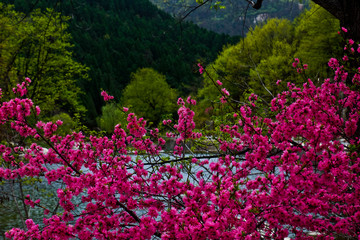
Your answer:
<point x="194" y="9"/>
<point x="332" y="6"/>
<point x="257" y="5"/>
<point x="347" y="11"/>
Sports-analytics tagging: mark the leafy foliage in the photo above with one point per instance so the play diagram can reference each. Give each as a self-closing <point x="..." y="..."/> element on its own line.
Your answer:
<point x="264" y="56"/>
<point x="243" y="67"/>
<point x="316" y="33"/>
<point x="38" y="46"/>
<point x="111" y="115"/>
<point x="149" y="95"/>
<point x="114" y="38"/>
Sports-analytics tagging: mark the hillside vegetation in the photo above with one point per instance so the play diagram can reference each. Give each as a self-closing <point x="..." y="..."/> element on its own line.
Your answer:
<point x="115" y="38"/>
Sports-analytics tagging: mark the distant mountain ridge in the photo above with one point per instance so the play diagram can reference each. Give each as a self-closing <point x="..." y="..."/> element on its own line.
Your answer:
<point x="237" y="16"/>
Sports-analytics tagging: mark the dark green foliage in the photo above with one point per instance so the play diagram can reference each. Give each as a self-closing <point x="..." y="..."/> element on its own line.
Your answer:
<point x="116" y="37"/>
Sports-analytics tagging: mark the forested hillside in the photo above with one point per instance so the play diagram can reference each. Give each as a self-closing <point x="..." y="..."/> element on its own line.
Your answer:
<point x="231" y="17"/>
<point x="265" y="55"/>
<point x="115" y="38"/>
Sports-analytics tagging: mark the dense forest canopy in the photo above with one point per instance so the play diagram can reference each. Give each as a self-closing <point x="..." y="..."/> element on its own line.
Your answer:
<point x="114" y="38"/>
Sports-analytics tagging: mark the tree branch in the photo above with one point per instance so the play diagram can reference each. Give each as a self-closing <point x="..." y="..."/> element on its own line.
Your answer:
<point x="332" y="6"/>
<point x="193" y="9"/>
<point x="256" y="5"/>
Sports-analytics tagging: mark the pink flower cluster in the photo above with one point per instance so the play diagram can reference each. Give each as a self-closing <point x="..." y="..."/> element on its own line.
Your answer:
<point x="297" y="172"/>
<point x="21" y="88"/>
<point x="106" y="96"/>
<point x="300" y="69"/>
<point x="201" y="68"/>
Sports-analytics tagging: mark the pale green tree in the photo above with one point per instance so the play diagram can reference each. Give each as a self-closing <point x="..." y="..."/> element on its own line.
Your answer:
<point x="252" y="64"/>
<point x="318" y="40"/>
<point x="264" y="77"/>
<point x="149" y="95"/>
<point x="111" y="115"/>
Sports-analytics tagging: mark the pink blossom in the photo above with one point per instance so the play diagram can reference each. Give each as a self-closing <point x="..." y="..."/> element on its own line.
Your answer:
<point x="191" y="101"/>
<point x="22" y="88"/>
<point x="333" y="63"/>
<point x="201" y="68"/>
<point x="356" y="79"/>
<point x="37" y="108"/>
<point x="226" y="92"/>
<point x="253" y="97"/>
<point x="292" y="171"/>
<point x="180" y="102"/>
<point x="295" y="63"/>
<point x="106" y="96"/>
<point x="223" y="99"/>
<point x="219" y="83"/>
<point x="344" y="29"/>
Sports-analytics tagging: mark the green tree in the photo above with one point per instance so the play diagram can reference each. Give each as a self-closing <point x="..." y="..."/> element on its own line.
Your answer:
<point x="253" y="63"/>
<point x="68" y="124"/>
<point x="318" y="41"/>
<point x="111" y="115"/>
<point x="277" y="66"/>
<point x="149" y="95"/>
<point x="38" y="46"/>
<point x="266" y="53"/>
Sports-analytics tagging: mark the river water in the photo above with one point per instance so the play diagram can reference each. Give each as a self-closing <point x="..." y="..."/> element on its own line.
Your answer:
<point x="11" y="207"/>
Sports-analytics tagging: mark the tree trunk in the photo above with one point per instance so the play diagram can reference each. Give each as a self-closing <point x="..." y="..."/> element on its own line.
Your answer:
<point x="351" y="18"/>
<point x="347" y="11"/>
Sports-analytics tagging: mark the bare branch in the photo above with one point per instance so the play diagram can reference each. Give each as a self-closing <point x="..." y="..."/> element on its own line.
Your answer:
<point x="194" y="9"/>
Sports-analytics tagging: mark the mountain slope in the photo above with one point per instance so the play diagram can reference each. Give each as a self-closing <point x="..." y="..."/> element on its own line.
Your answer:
<point x="116" y="37"/>
<point x="237" y="16"/>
